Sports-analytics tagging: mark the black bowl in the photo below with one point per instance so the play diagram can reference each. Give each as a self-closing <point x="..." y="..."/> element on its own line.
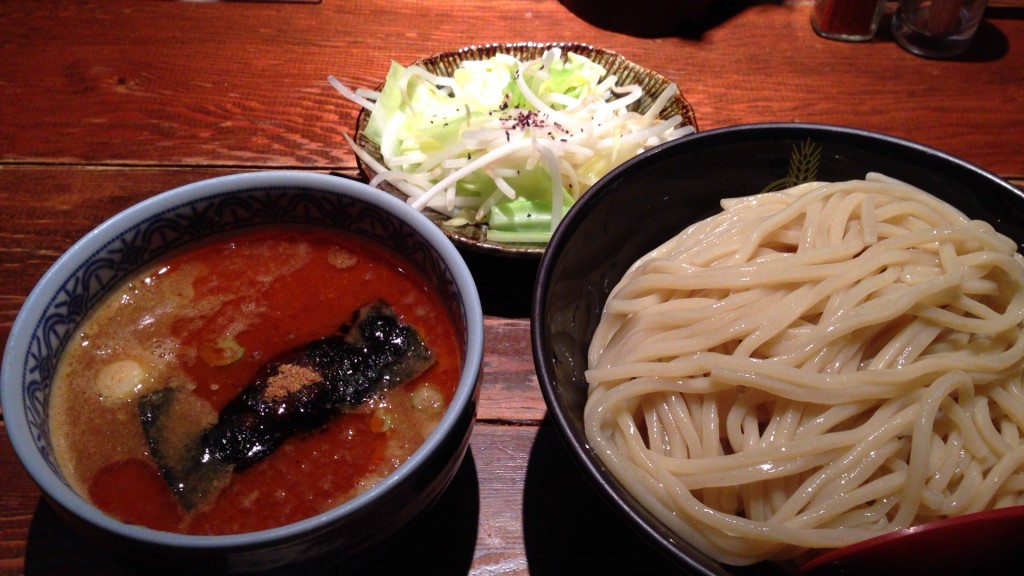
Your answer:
<point x="649" y="199"/>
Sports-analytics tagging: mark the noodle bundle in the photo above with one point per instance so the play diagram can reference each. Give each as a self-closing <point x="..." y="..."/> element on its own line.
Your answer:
<point x="813" y="367"/>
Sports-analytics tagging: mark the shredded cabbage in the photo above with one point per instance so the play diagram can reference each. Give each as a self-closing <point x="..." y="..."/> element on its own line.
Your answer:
<point x="506" y="143"/>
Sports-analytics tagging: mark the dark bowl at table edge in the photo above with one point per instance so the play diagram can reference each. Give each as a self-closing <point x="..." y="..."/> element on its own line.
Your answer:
<point x="570" y="291"/>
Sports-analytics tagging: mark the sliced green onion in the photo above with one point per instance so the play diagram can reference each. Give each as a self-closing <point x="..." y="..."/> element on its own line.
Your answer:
<point x="501" y="129"/>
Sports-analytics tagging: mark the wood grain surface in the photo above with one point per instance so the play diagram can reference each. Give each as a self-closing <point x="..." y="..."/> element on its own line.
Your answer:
<point x="104" y="103"/>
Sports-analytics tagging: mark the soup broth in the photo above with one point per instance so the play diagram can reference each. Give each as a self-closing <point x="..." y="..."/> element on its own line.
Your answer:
<point x="206" y="321"/>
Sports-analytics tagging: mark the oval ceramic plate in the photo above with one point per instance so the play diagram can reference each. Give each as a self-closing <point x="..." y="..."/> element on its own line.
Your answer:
<point x="474" y="237"/>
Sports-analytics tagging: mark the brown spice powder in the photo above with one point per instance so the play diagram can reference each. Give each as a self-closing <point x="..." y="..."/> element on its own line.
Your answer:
<point x="289" y="378"/>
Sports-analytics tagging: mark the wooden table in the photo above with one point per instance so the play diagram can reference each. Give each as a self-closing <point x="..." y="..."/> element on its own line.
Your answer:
<point x="106" y="102"/>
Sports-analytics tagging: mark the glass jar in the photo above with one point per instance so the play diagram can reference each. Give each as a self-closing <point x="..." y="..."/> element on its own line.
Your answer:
<point x="847" y="20"/>
<point x="937" y="28"/>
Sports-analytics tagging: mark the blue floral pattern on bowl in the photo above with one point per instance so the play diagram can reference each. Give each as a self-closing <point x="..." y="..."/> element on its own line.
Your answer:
<point x="154" y="237"/>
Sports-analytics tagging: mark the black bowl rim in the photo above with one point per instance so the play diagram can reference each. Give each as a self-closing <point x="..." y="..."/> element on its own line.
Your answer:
<point x="657" y="534"/>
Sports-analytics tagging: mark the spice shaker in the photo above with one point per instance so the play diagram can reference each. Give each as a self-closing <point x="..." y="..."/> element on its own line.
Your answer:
<point x="847" y="20"/>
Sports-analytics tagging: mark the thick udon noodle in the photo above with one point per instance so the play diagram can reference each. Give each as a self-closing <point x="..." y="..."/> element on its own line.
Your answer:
<point x="813" y="367"/>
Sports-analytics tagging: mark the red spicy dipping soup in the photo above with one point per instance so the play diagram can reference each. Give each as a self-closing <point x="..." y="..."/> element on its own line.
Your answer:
<point x="252" y="382"/>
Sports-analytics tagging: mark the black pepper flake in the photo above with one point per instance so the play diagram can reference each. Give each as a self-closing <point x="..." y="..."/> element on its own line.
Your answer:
<point x="526" y="119"/>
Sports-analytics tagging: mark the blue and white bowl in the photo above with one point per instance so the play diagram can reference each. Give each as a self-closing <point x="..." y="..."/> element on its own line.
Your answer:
<point x="151" y="229"/>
